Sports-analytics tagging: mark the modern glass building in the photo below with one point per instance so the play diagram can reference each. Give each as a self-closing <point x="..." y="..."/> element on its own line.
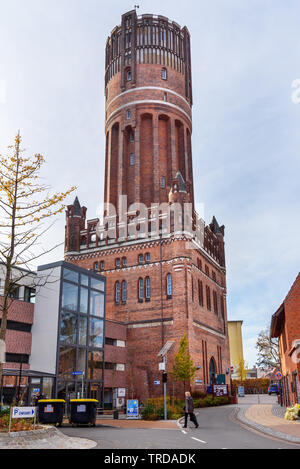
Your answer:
<point x="69" y="330"/>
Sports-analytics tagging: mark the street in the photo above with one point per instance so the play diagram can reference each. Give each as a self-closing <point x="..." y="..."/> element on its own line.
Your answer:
<point x="218" y="429"/>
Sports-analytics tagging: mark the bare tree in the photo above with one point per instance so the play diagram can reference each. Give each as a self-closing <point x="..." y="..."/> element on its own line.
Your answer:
<point x="25" y="205"/>
<point x="268" y="353"/>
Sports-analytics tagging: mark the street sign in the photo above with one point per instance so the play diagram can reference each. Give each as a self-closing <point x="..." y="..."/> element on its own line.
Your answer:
<point x="198" y="381"/>
<point x="157" y="382"/>
<point x="162" y="366"/>
<point x="77" y="373"/>
<point x="220" y="390"/>
<point x="241" y="391"/>
<point x="132" y="409"/>
<point x="23" y="412"/>
<point x="121" y="392"/>
<point x="120" y="402"/>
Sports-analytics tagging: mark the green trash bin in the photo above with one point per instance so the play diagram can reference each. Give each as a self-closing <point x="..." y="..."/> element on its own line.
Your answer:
<point x="83" y="411"/>
<point x="51" y="411"/>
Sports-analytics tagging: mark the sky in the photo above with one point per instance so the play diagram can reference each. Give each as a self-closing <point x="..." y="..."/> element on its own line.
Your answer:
<point x="246" y="126"/>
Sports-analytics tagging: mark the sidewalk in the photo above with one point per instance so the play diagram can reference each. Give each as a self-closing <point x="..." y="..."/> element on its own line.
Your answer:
<point x="123" y="423"/>
<point x="268" y="419"/>
<point x="48" y="438"/>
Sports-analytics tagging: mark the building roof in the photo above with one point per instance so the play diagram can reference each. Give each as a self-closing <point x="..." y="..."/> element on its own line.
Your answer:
<point x="277" y="320"/>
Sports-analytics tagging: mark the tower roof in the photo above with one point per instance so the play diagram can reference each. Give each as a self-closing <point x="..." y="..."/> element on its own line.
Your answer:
<point x="77" y="207"/>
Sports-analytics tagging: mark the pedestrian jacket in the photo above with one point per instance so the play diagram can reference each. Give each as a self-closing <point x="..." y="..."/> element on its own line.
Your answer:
<point x="189" y="405"/>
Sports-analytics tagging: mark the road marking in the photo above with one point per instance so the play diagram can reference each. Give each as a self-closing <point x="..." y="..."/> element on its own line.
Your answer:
<point x="197" y="439"/>
<point x="184" y="432"/>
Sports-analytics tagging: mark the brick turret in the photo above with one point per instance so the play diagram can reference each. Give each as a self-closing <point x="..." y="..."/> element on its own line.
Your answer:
<point x="75" y="223"/>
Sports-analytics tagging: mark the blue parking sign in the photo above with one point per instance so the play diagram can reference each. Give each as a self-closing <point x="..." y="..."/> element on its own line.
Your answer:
<point x="132" y="409"/>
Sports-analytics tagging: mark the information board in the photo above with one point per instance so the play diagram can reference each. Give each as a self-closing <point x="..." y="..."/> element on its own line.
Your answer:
<point x="132" y="409"/>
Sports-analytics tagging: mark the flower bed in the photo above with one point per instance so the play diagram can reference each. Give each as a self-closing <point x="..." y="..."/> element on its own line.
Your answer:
<point x="154" y="408"/>
<point x="17" y="425"/>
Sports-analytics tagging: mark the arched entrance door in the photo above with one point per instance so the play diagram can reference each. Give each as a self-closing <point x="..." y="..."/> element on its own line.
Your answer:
<point x="212" y="371"/>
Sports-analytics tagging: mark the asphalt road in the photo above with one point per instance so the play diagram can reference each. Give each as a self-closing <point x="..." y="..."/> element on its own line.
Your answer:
<point x="217" y="430"/>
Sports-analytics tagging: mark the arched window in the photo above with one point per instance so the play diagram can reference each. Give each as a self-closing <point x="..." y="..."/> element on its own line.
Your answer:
<point x="128" y="74"/>
<point x="148" y="288"/>
<point x="141" y="258"/>
<point x="124" y="261"/>
<point x="117" y="292"/>
<point x="164" y="74"/>
<point x="169" y="286"/>
<point x="141" y="290"/>
<point x="124" y="291"/>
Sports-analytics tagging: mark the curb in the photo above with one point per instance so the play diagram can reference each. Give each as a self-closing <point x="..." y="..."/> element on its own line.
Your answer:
<point x="239" y="415"/>
<point x="43" y="431"/>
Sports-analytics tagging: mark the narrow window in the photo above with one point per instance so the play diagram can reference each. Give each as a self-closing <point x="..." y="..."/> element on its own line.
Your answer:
<point x="162" y="182"/>
<point x="215" y="302"/>
<point x="208" y="298"/>
<point x="132" y="159"/>
<point x="169" y="286"/>
<point x="148" y="257"/>
<point x="148" y="288"/>
<point x="118" y="263"/>
<point x="128" y="75"/>
<point x="96" y="265"/>
<point x="102" y="266"/>
<point x="141" y="259"/>
<point x="131" y="136"/>
<point x="117" y="292"/>
<point x="128" y="114"/>
<point x="124" y="291"/>
<point x="124" y="261"/>
<point x="200" y="288"/>
<point x="141" y="290"/>
<point x="164" y="73"/>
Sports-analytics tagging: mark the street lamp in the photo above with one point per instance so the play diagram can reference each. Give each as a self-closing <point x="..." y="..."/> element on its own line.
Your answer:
<point x="163" y="353"/>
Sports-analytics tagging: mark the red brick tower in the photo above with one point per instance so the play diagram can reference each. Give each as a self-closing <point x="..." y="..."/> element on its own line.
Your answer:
<point x="148" y="109"/>
<point x="159" y="287"/>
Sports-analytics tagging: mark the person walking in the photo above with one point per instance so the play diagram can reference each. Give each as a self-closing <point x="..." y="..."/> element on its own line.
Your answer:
<point x="189" y="410"/>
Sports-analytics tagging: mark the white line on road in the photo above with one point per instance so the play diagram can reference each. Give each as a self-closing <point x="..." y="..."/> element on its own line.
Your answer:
<point x="184" y="432"/>
<point x="197" y="439"/>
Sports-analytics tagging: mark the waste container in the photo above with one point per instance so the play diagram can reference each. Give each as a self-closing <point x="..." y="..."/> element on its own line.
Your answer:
<point x="116" y="415"/>
<point x="51" y="411"/>
<point x="83" y="411"/>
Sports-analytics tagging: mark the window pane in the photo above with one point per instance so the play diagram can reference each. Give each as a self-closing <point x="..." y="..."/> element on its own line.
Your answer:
<point x="97" y="284"/>
<point x="84" y="280"/>
<point x="82" y="331"/>
<point x="84" y="300"/>
<point x="96" y="333"/>
<point x="71" y="275"/>
<point x="81" y="360"/>
<point x="96" y="304"/>
<point x="70" y="296"/>
<point x="95" y="365"/>
<point x="67" y="361"/>
<point x="68" y="328"/>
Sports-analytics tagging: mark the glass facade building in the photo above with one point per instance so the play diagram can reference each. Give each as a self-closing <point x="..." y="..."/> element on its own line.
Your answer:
<point x="80" y="351"/>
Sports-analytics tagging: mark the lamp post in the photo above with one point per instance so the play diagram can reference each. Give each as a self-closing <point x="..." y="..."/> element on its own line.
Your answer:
<point x="163" y="353"/>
